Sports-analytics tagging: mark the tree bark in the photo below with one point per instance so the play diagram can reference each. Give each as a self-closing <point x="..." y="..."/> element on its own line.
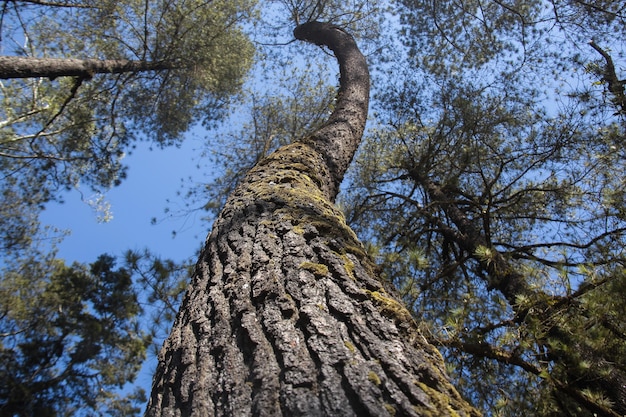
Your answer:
<point x="23" y="67"/>
<point x="285" y="315"/>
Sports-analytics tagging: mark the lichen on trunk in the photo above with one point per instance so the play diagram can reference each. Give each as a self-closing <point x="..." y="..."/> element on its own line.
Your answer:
<point x="285" y="315"/>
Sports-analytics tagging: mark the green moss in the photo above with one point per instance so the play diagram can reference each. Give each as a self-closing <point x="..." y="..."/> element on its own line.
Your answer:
<point x="298" y="229"/>
<point x="301" y="203"/>
<point x="317" y="269"/>
<point x="373" y="377"/>
<point x="440" y="400"/>
<point x="390" y="409"/>
<point x="350" y="346"/>
<point x="389" y="307"/>
<point x="420" y="411"/>
<point x="349" y="266"/>
<point x="290" y="180"/>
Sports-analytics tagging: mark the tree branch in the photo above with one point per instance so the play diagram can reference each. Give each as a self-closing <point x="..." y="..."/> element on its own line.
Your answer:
<point x="486" y="350"/>
<point x="56" y="4"/>
<point x="21" y="67"/>
<point x="614" y="84"/>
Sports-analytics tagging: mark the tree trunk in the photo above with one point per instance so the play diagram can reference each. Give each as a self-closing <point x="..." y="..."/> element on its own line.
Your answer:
<point x="285" y="315"/>
<point x="21" y="67"/>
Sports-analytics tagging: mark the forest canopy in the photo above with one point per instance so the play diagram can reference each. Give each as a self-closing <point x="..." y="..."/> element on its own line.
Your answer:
<point x="489" y="186"/>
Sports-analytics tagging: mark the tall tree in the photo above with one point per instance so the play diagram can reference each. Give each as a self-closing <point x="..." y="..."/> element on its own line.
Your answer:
<point x="285" y="314"/>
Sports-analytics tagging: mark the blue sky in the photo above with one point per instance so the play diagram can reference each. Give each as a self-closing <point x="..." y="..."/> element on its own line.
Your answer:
<point x="154" y="175"/>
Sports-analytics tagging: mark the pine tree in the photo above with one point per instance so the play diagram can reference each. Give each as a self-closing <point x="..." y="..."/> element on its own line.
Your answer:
<point x="285" y="314"/>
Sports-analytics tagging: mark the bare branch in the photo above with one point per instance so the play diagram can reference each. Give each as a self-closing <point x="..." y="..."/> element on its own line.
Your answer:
<point x="57" y="4"/>
<point x="20" y="67"/>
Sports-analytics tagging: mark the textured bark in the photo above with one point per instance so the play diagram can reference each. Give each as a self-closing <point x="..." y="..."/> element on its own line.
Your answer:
<point x="285" y="315"/>
<point x="21" y="67"/>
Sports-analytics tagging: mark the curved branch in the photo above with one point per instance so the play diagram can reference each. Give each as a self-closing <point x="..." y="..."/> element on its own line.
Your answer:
<point x="338" y="139"/>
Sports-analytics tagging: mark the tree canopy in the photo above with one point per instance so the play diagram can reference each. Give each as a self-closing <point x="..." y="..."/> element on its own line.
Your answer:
<point x="70" y="337"/>
<point x="490" y="194"/>
<point x="489" y="186"/>
<point x="141" y="70"/>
